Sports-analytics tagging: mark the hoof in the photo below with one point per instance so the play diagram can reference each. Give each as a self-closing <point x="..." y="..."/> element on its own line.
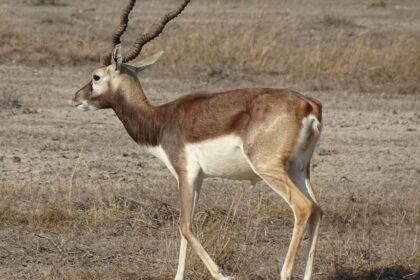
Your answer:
<point x="223" y="277"/>
<point x="227" y="278"/>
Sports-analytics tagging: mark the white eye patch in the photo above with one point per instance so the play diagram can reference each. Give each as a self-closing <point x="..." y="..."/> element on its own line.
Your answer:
<point x="96" y="78"/>
<point x="99" y="86"/>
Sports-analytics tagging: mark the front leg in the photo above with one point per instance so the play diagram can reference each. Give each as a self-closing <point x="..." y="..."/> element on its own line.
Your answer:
<point x="196" y="188"/>
<point x="188" y="189"/>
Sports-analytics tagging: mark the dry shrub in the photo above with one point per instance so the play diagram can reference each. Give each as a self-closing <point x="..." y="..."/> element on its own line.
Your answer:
<point x="19" y="46"/>
<point x="367" y="62"/>
<point x="9" y="216"/>
<point x="46" y="3"/>
<point x="393" y="272"/>
<point x="227" y="50"/>
<point x="338" y="22"/>
<point x="60" y="208"/>
<point x="345" y="57"/>
<point x="341" y="55"/>
<point x="378" y="4"/>
<point x="52" y="215"/>
<point x="105" y="235"/>
<point x="356" y="235"/>
<point x="63" y="51"/>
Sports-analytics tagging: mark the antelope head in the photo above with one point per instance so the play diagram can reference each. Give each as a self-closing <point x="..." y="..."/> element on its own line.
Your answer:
<point x="116" y="76"/>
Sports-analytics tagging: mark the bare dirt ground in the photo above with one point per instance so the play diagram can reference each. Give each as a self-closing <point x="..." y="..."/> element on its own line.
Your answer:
<point x="80" y="200"/>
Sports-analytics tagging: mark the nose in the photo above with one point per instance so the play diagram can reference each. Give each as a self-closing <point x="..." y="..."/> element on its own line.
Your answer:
<point x="73" y="103"/>
<point x="79" y="96"/>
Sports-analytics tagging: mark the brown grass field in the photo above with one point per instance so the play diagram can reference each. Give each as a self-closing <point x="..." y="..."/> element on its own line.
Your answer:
<point x="80" y="200"/>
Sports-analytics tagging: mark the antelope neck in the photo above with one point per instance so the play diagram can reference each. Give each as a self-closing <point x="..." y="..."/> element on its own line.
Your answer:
<point x="138" y="116"/>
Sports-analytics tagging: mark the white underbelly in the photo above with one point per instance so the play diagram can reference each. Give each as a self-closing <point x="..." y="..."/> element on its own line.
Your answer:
<point x="221" y="157"/>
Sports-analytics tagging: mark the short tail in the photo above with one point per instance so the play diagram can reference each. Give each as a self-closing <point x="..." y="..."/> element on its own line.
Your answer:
<point x="316" y="112"/>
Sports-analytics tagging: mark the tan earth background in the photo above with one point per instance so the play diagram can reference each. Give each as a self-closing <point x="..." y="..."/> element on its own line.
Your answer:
<point x="80" y="200"/>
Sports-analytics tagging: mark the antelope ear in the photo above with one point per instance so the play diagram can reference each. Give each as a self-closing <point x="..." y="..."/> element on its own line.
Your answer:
<point x="116" y="57"/>
<point x="140" y="66"/>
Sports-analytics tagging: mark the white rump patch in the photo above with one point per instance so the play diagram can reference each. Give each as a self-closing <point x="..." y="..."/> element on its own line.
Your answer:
<point x="302" y="153"/>
<point x="301" y="156"/>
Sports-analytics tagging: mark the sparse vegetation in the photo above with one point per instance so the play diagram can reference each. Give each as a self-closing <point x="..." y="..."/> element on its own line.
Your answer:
<point x="239" y="231"/>
<point x="343" y="58"/>
<point x="366" y="63"/>
<point x="46" y="3"/>
<point x="378" y="4"/>
<point x="9" y="101"/>
<point x="337" y="21"/>
<point x="79" y="200"/>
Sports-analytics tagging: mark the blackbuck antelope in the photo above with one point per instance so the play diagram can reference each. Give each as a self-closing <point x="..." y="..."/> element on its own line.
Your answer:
<point x="243" y="134"/>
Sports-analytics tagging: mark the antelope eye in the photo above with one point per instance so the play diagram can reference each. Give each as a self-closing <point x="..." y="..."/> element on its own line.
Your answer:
<point x="96" y="77"/>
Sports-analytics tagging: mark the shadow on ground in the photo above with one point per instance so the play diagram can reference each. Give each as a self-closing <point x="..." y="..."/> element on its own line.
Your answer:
<point x="387" y="273"/>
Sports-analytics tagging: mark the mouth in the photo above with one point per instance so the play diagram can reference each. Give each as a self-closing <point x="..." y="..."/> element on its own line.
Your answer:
<point x="74" y="103"/>
<point x="83" y="106"/>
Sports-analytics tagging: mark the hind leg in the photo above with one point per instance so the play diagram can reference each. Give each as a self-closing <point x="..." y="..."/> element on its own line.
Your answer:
<point x="313" y="226"/>
<point x="279" y="161"/>
<point x="301" y="179"/>
<point x="276" y="176"/>
<point x="313" y="231"/>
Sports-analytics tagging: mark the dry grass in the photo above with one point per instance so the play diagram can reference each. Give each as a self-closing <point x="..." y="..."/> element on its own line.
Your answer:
<point x="46" y="3"/>
<point x="103" y="235"/>
<point x="346" y="57"/>
<point x="20" y="47"/>
<point x="9" y="101"/>
<point x="115" y="229"/>
<point x="378" y="4"/>
<point x="334" y="53"/>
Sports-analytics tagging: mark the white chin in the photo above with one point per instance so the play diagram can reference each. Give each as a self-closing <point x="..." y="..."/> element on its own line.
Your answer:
<point x="86" y="107"/>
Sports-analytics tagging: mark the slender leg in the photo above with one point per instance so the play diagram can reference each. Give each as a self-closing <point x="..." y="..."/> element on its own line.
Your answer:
<point x="308" y="183"/>
<point x="279" y="181"/>
<point x="184" y="243"/>
<point x="187" y="203"/>
<point x="181" y="259"/>
<point x="302" y="181"/>
<point x="279" y="159"/>
<point x="313" y="227"/>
